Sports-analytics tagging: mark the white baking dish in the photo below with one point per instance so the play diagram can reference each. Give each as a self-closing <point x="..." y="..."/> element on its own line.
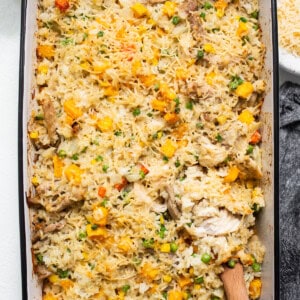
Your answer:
<point x="268" y="219"/>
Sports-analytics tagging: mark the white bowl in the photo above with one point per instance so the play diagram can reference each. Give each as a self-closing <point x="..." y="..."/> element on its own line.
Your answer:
<point x="289" y="62"/>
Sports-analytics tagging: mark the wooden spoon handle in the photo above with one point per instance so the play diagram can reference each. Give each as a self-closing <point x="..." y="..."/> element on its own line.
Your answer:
<point x="234" y="283"/>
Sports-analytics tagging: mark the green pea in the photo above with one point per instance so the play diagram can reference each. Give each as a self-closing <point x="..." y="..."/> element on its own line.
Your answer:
<point x="174" y="247"/>
<point x="231" y="263"/>
<point x="175" y="20"/>
<point x="206" y="258"/>
<point x="256" y="267"/>
<point x="199" y="280"/>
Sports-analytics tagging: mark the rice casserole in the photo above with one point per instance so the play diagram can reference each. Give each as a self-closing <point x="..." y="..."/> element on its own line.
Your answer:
<point x="145" y="163"/>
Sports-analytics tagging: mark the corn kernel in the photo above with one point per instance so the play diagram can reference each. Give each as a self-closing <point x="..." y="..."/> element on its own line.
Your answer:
<point x="73" y="173"/>
<point x="42" y="69"/>
<point x="93" y="161"/>
<point x="53" y="278"/>
<point x="220" y="13"/>
<point x="45" y="51"/>
<point x="149" y="272"/>
<point x="175" y="295"/>
<point x="209" y="48"/>
<point x="35" y="181"/>
<point x="232" y="175"/>
<point x="220" y="5"/>
<point x="197" y="286"/>
<point x="49" y="297"/>
<point x="161" y="219"/>
<point x="165" y="248"/>
<point x="244" y="90"/>
<point x="166" y="92"/>
<point x="105" y="124"/>
<point x="97" y="233"/>
<point x="184" y="281"/>
<point x="255" y="288"/>
<point x="168" y="148"/>
<point x="71" y="110"/>
<point x="209" y="77"/>
<point x="139" y="10"/>
<point x="181" y="74"/>
<point x="125" y="244"/>
<point x="57" y="166"/>
<point x="136" y="66"/>
<point x="242" y="29"/>
<point x="246" y="117"/>
<point x="222" y="120"/>
<point x="171" y="118"/>
<point x="34" y="135"/>
<point x="110" y="91"/>
<point x="66" y="283"/>
<point x="167" y="278"/>
<point x="159" y="105"/>
<point x="169" y="8"/>
<point x="100" y="216"/>
<point x="159" y="134"/>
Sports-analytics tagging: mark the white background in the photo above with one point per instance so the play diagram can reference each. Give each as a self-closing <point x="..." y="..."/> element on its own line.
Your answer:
<point x="10" y="270"/>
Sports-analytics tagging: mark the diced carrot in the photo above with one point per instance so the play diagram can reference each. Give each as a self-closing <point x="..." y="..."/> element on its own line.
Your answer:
<point x="144" y="169"/>
<point x="62" y="5"/>
<point x="101" y="191"/>
<point x="120" y="186"/>
<point x="255" y="138"/>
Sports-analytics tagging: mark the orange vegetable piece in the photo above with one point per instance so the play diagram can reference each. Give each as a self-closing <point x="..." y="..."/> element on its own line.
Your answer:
<point x="255" y="138"/>
<point x="101" y="191"/>
<point x="46" y="51"/>
<point x="62" y="5"/>
<point x="144" y="169"/>
<point x="120" y="186"/>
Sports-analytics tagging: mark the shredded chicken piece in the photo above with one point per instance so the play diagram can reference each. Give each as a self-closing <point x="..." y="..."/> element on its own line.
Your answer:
<point x="50" y="120"/>
<point x="222" y="224"/>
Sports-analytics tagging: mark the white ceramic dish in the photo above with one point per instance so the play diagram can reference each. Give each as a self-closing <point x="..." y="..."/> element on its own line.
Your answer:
<point x="267" y="226"/>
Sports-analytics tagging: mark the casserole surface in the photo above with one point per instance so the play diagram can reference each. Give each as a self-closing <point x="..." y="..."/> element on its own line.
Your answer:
<point x="174" y="155"/>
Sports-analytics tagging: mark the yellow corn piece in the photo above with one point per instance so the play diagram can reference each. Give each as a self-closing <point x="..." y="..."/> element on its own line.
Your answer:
<point x="159" y="134"/>
<point x="57" y="166"/>
<point x="166" y="92"/>
<point x="105" y="124"/>
<point x="209" y="48"/>
<point x="246" y="117"/>
<point x="148" y="80"/>
<point x="168" y="148"/>
<point x="42" y="69"/>
<point x="93" y="161"/>
<point x="232" y="175"/>
<point x="110" y="91"/>
<point x="45" y="51"/>
<point x="159" y="105"/>
<point x="136" y="66"/>
<point x="255" y="288"/>
<point x="73" y="173"/>
<point x="35" y="181"/>
<point x="191" y="271"/>
<point x="220" y="5"/>
<point x="72" y="110"/>
<point x="49" y="297"/>
<point x="182" y="143"/>
<point x="97" y="233"/>
<point x="161" y="220"/>
<point x="66" y="283"/>
<point x="244" y="90"/>
<point x="181" y="74"/>
<point x="139" y="10"/>
<point x="125" y="244"/>
<point x="85" y="255"/>
<point x="86" y="66"/>
<point x="222" y="119"/>
<point x="184" y="281"/>
<point x="171" y="118"/>
<point x="151" y="22"/>
<point x="169" y="8"/>
<point x="197" y="286"/>
<point x="34" y="135"/>
<point x="54" y="278"/>
<point x="149" y="272"/>
<point x="165" y="248"/>
<point x="100" y="216"/>
<point x="167" y="278"/>
<point x="209" y="77"/>
<point x="242" y="29"/>
<point x="175" y="295"/>
<point x="121" y="295"/>
<point x="101" y="67"/>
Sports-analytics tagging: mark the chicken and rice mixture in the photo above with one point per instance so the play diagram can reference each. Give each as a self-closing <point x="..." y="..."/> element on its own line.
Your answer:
<point x="144" y="144"/>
